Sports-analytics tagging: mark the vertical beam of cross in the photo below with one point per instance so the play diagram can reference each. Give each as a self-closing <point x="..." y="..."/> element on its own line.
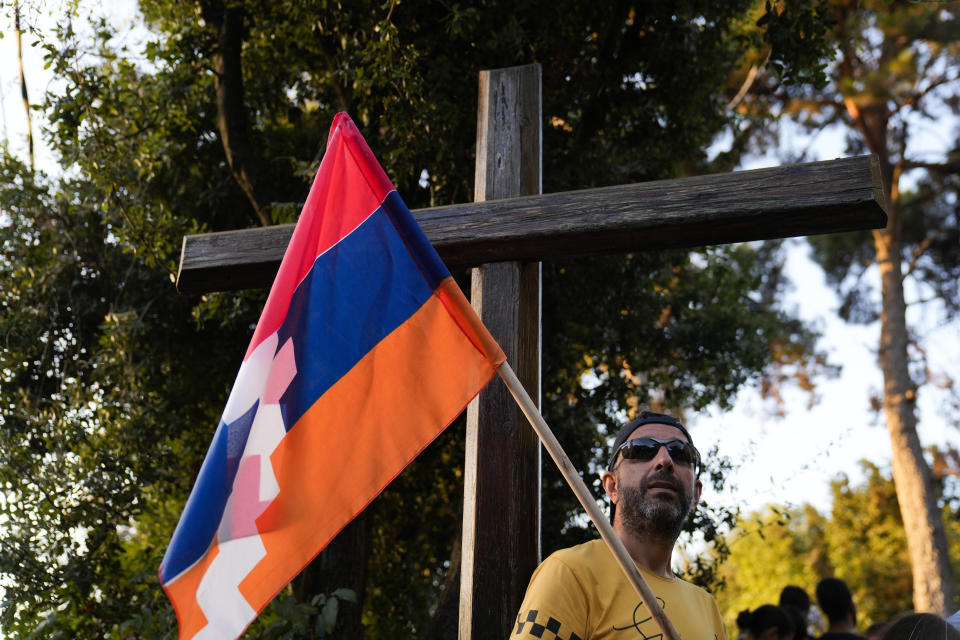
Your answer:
<point x="501" y="511"/>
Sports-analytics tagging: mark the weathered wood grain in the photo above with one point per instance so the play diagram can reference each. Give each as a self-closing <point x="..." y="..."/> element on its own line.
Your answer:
<point x="796" y="200"/>
<point x="501" y="500"/>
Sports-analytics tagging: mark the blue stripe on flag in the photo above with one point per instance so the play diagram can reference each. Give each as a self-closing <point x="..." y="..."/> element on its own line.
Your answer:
<point x="423" y="252"/>
<point x="204" y="510"/>
<point x="347" y="304"/>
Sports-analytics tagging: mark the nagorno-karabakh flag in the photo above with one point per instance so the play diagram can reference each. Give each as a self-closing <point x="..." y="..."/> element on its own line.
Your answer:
<point x="365" y="351"/>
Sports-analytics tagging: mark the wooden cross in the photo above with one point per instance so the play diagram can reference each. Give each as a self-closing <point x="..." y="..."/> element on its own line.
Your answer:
<point x="504" y="233"/>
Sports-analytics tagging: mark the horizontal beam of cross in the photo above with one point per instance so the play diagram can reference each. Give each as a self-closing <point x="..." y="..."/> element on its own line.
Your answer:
<point x="796" y="200"/>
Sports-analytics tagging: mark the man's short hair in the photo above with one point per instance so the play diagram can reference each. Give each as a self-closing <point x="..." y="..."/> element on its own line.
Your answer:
<point x="834" y="598"/>
<point x="795" y="596"/>
<point x="645" y="417"/>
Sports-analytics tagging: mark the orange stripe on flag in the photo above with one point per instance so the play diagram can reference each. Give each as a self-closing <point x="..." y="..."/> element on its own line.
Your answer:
<point x="458" y="307"/>
<point x="359" y="435"/>
<point x="183" y="592"/>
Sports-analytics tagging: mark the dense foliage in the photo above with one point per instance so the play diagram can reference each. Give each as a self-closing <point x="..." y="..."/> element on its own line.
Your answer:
<point x="862" y="541"/>
<point x="112" y="383"/>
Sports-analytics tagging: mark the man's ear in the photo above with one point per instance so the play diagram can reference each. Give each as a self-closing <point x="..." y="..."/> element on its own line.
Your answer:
<point x="609" y="481"/>
<point x="697" y="490"/>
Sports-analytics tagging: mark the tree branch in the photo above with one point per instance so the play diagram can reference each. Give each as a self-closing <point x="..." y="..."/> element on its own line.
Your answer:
<point x="914" y="100"/>
<point x="23" y="81"/>
<point x="951" y="166"/>
<point x="747" y="83"/>
<point x="227" y="20"/>
<point x="331" y="66"/>
<point x="917" y="254"/>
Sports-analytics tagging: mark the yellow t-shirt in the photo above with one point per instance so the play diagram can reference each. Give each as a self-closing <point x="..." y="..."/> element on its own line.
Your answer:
<point x="581" y="593"/>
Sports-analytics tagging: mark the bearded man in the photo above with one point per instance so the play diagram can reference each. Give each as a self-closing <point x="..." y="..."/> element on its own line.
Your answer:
<point x="581" y="593"/>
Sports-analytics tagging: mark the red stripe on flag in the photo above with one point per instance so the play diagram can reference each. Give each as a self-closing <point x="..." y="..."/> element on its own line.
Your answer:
<point x="350" y="185"/>
<point x="466" y="318"/>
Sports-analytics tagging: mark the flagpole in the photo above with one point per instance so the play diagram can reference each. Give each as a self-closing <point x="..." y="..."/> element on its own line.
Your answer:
<point x="583" y="494"/>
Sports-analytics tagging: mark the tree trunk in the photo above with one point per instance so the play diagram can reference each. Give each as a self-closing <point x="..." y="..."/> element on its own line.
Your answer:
<point x="922" y="521"/>
<point x="228" y="21"/>
<point x="23" y="81"/>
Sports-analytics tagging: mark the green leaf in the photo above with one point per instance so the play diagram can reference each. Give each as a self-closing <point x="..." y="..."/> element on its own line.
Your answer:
<point x="348" y="595"/>
<point x="329" y="615"/>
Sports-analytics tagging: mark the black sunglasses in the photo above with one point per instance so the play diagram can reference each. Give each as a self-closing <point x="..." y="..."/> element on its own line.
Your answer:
<point x="646" y="449"/>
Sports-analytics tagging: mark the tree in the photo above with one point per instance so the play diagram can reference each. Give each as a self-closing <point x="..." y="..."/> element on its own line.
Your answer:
<point x="868" y="545"/>
<point x="96" y="413"/>
<point x="770" y="549"/>
<point x="863" y="541"/>
<point x="895" y="71"/>
<point x="113" y="383"/>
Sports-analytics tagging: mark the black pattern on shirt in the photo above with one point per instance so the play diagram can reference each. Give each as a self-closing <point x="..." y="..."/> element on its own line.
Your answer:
<point x="551" y="628"/>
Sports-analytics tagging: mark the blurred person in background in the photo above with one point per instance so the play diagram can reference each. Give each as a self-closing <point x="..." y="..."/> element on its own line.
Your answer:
<point x="766" y="622"/>
<point x="921" y="626"/>
<point x="836" y="601"/>
<point x="795" y="601"/>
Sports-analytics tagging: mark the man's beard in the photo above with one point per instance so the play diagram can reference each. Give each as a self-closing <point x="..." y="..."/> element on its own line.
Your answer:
<point x="649" y="517"/>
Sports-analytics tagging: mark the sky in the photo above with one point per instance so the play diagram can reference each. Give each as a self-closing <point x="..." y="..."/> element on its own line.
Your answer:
<point x="792" y="460"/>
<point x="789" y="460"/>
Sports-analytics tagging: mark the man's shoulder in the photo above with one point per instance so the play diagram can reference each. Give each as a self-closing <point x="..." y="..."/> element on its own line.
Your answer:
<point x="585" y="551"/>
<point x="592" y="556"/>
<point x="596" y="558"/>
<point x="582" y="592"/>
<point x="840" y="636"/>
<point x="588" y="563"/>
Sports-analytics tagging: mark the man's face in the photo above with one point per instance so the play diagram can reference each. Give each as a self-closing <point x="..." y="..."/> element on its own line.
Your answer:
<point x="653" y="497"/>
